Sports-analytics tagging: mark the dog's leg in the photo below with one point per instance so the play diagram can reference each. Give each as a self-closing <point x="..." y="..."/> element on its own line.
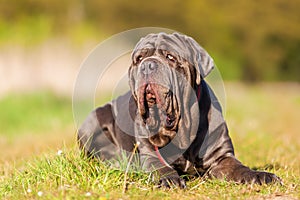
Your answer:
<point x="153" y="161"/>
<point x="233" y="170"/>
<point x="96" y="135"/>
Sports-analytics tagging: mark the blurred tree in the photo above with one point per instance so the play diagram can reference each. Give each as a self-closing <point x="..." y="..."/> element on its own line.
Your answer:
<point x="250" y="40"/>
<point x="289" y="68"/>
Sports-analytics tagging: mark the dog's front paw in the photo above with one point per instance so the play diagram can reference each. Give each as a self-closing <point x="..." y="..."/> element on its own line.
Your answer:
<point x="233" y="170"/>
<point x="260" y="177"/>
<point x="171" y="181"/>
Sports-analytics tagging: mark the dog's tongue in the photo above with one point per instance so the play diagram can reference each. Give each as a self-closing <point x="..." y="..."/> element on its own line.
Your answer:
<point x="149" y="92"/>
<point x="151" y="95"/>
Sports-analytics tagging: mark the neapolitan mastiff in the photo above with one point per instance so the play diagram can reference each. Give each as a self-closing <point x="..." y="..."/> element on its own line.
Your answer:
<point x="172" y="114"/>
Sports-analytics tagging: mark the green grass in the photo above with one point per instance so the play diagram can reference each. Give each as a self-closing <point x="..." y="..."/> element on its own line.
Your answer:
<point x="23" y="113"/>
<point x="263" y="125"/>
<point x="71" y="175"/>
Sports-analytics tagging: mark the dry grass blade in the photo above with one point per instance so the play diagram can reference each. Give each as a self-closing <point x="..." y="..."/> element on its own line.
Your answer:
<point x="127" y="167"/>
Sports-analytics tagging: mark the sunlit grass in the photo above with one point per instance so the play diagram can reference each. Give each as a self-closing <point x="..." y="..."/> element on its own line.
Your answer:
<point x="262" y="119"/>
<point x="68" y="174"/>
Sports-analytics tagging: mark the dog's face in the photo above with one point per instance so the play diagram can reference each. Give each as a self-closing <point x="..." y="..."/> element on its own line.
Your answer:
<point x="157" y="103"/>
<point x="163" y="74"/>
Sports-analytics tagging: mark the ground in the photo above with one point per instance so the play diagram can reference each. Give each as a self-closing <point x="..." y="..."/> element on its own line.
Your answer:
<point x="41" y="159"/>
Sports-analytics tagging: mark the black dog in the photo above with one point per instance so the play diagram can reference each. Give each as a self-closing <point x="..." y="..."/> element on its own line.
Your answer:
<point x="172" y="113"/>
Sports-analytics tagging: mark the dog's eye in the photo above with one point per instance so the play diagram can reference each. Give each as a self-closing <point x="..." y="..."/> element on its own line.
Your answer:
<point x="171" y="58"/>
<point x="139" y="58"/>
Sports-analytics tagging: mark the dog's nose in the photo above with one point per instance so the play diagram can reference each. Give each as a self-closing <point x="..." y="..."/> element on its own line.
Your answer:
<point x="148" y="67"/>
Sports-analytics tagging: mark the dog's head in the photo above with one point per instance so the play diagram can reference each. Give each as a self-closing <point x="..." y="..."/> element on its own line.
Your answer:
<point x="165" y="70"/>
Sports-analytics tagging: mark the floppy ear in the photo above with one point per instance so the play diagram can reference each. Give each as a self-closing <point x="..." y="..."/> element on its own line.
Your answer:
<point x="205" y="64"/>
<point x="132" y="82"/>
<point x="201" y="59"/>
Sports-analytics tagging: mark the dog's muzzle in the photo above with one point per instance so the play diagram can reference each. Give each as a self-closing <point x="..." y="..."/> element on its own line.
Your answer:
<point x="157" y="103"/>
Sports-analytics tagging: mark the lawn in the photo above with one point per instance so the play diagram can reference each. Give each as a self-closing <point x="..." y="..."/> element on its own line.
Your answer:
<point x="39" y="157"/>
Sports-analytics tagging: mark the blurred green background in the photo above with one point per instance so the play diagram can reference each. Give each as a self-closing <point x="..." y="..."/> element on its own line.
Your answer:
<point x="43" y="43"/>
<point x="250" y="40"/>
<point x="255" y="45"/>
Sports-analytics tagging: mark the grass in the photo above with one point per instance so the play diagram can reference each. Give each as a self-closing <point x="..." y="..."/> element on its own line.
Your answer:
<point x="263" y="121"/>
<point x="70" y="175"/>
<point x="33" y="123"/>
<point x="23" y="113"/>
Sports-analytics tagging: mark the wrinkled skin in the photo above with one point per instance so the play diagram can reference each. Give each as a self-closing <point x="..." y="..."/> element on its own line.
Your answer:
<point x="172" y="113"/>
